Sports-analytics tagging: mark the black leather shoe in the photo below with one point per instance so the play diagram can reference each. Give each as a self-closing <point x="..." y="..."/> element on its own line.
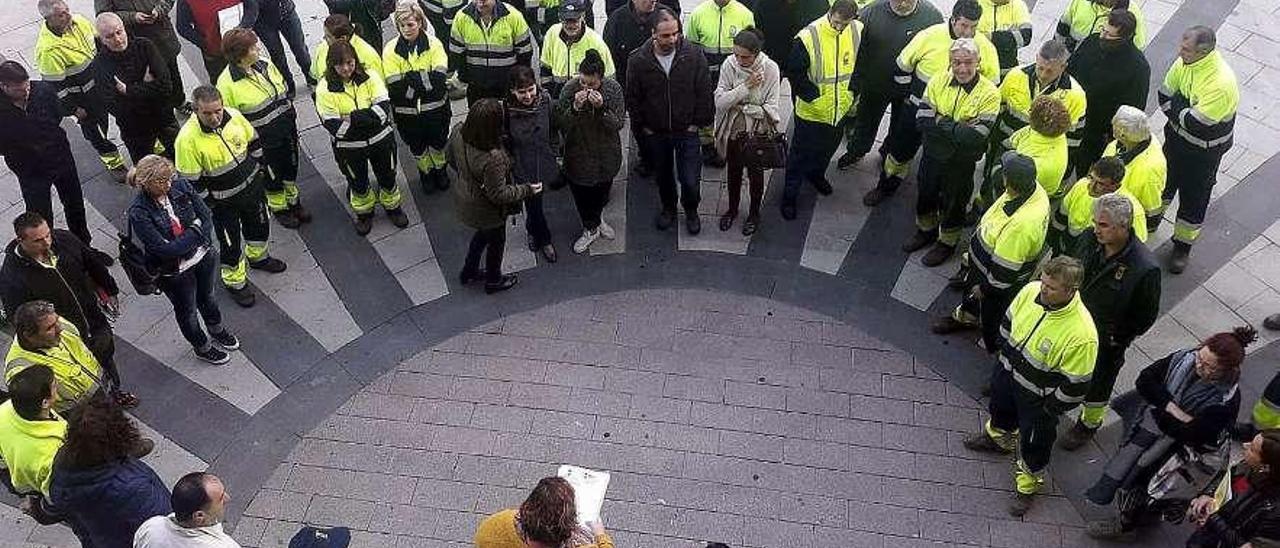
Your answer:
<point x="287" y="218"/>
<point x="789" y="210"/>
<point x="1179" y="258"/>
<point x="1272" y="322"/>
<point x="847" y="160"/>
<point x="470" y="277"/>
<point x="665" y="219"/>
<point x="750" y="225"/>
<point x="919" y="240"/>
<point x="301" y="212"/>
<point x="938" y="255"/>
<point x="947" y="325"/>
<point x="243" y="296"/>
<point x="823" y="186"/>
<point x="692" y="223"/>
<point x="874" y="196"/>
<point x="269" y="264"/>
<point x="398" y="218"/>
<point x="1076" y="437"/>
<point x="507" y="281"/>
<point x="364" y="224"/>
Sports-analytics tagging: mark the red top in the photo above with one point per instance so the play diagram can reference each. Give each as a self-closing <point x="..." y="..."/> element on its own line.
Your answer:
<point x="205" y="15"/>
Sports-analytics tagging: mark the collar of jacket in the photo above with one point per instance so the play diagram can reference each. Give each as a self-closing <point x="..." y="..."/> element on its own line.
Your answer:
<point x="1063" y="81"/>
<point x="499" y="11"/>
<point x="1010" y="207"/>
<point x="226" y="117"/>
<point x="405" y="47"/>
<point x="682" y="49"/>
<point x="968" y="88"/>
<point x="1127" y="155"/>
<point x="569" y="41"/>
<point x="1064" y="310"/>
<point x="238" y="73"/>
<point x="357" y="79"/>
<point x="14" y="253"/>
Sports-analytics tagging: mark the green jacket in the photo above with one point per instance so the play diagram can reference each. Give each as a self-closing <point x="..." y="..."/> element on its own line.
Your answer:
<point x="483" y="194"/>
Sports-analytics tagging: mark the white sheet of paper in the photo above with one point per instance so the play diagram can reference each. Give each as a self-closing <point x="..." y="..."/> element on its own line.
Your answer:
<point x="589" y="487"/>
<point x="229" y="17"/>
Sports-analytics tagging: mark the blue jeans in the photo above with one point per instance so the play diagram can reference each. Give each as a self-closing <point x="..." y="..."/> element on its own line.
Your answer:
<point x="291" y="28"/>
<point x="191" y="292"/>
<point x="676" y="155"/>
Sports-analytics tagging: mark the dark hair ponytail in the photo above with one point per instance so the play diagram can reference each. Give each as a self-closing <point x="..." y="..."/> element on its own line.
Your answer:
<point x="1229" y="347"/>
<point x="592" y="64"/>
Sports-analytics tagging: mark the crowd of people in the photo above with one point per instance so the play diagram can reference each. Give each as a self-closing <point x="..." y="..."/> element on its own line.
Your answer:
<point x="1050" y="167"/>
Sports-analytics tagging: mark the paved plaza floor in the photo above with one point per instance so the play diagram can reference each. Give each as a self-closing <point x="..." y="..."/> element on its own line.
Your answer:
<point x="776" y="390"/>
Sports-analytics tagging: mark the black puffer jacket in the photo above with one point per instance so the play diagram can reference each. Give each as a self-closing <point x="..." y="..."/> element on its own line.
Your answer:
<point x="70" y="287"/>
<point x="161" y="32"/>
<point x="33" y="142"/>
<point x="624" y="32"/>
<point x="670" y="103"/>
<point x="1252" y="517"/>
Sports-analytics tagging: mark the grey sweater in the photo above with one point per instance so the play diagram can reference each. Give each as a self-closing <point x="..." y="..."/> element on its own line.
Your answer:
<point x="884" y="35"/>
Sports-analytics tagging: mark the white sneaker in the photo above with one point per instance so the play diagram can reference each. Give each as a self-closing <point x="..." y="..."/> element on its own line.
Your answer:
<point x="605" y="230"/>
<point x="585" y="240"/>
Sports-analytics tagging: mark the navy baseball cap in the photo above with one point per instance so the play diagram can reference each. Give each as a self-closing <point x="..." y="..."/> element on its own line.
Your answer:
<point x="574" y="9"/>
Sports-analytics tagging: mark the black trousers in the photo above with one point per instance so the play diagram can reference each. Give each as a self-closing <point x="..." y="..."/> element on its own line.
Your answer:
<point x="141" y="141"/>
<point x="491" y="242"/>
<point x="281" y="158"/>
<point x="871" y="108"/>
<point x="177" y="95"/>
<point x="590" y="200"/>
<point x="420" y="131"/>
<point x="37" y="197"/>
<point x="901" y="143"/>
<point x="95" y="127"/>
<point x="102" y="343"/>
<point x="355" y="164"/>
<point x="1093" y="140"/>
<point x="943" y="198"/>
<point x="1105" y="370"/>
<point x="535" y="221"/>
<point x="214" y="64"/>
<point x="291" y="28"/>
<point x="1192" y="173"/>
<point x="755" y="178"/>
<point x="1037" y="428"/>
<point x="242" y="228"/>
<point x="812" y="145"/>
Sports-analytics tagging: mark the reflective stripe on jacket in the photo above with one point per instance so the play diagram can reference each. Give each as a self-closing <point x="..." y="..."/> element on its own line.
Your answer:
<point x="27" y="448"/>
<point x="1021" y="87"/>
<point x="928" y="54"/>
<point x="1005" y="247"/>
<point x="365" y="53"/>
<point x="1008" y="25"/>
<point x="560" y="60"/>
<point x="1085" y="17"/>
<point x="1051" y="353"/>
<point x="1145" y="171"/>
<point x="486" y="53"/>
<point x="260" y="94"/>
<point x="1075" y="215"/>
<point x="416" y="73"/>
<point x="1049" y="154"/>
<point x="832" y="56"/>
<point x="357" y="113"/>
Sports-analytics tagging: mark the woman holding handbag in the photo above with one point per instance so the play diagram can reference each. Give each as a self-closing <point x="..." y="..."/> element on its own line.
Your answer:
<point x="746" y="112"/>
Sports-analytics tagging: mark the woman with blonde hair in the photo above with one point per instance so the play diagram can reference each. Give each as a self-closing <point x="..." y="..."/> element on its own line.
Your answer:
<point x="547" y="519"/>
<point x="416" y="66"/>
<point x="175" y="229"/>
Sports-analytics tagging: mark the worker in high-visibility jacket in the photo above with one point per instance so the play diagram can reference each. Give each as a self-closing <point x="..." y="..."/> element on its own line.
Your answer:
<point x="220" y="152"/>
<point x="42" y="337"/>
<point x="1008" y="24"/>
<point x="1074" y="214"/>
<point x="820" y="68"/>
<point x="487" y="39"/>
<point x="257" y="90"/>
<point x="956" y="116"/>
<point x="1085" y="17"/>
<point x="1019" y="89"/>
<point x="1145" y="166"/>
<point x="1121" y="289"/>
<point x="712" y="26"/>
<point x="416" y="66"/>
<point x="65" y="48"/>
<point x="1045" y="142"/>
<point x="1003" y="253"/>
<point x="1199" y="98"/>
<point x="1265" y="414"/>
<point x="566" y="44"/>
<point x="1047" y="358"/>
<point x="354" y="107"/>
<point x="338" y="28"/>
<point x="926" y="56"/>
<point x="31" y="435"/>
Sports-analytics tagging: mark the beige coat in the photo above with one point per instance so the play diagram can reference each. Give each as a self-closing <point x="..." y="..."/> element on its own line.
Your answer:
<point x="738" y="107"/>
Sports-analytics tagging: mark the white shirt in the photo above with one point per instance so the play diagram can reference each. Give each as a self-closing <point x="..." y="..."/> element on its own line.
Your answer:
<point x="164" y="532"/>
<point x="665" y="60"/>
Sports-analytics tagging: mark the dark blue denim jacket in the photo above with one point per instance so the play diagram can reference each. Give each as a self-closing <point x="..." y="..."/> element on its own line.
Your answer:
<point x="151" y="226"/>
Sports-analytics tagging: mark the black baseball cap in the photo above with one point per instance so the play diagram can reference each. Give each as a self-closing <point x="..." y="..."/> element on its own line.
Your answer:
<point x="574" y="9"/>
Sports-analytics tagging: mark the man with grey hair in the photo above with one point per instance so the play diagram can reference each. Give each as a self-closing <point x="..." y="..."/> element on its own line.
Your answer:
<point x="134" y="79"/>
<point x="64" y="53"/>
<point x="1121" y="289"/>
<point x="955" y="117"/>
<point x="1046" y="360"/>
<point x="1199" y="98"/>
<point x="1144" y="162"/>
<point x="150" y="19"/>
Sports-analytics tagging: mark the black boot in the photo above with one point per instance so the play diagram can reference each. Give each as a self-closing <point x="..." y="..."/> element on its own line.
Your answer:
<point x="1179" y="258"/>
<point x="1076" y="437"/>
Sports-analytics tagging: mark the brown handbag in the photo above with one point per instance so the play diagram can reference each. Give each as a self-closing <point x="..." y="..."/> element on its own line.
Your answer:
<point x="764" y="149"/>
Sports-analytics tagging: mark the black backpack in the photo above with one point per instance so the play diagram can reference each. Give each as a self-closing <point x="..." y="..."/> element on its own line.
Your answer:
<point x="134" y="262"/>
<point x="312" y="537"/>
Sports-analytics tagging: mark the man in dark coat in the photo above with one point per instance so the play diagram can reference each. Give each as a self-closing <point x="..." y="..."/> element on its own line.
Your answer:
<point x="55" y="266"/>
<point x="150" y="19"/>
<point x="780" y="20"/>
<point x="1121" y="289"/>
<point x="1113" y="72"/>
<point x="36" y="149"/>
<point x="669" y="96"/>
<point x="626" y="29"/>
<point x="134" y="79"/>
<point x="271" y="19"/>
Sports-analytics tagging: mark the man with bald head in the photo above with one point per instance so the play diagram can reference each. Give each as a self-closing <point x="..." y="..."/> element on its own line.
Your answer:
<point x="134" y="80"/>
